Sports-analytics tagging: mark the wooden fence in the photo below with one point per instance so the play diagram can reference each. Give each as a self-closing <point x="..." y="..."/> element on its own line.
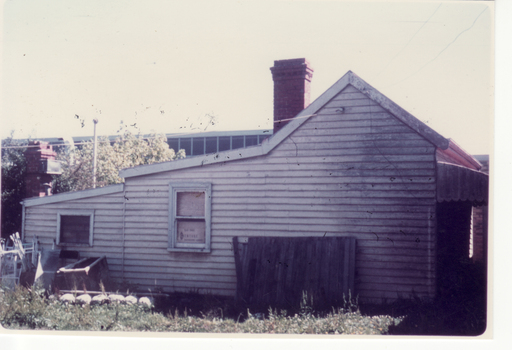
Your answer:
<point x="277" y="271"/>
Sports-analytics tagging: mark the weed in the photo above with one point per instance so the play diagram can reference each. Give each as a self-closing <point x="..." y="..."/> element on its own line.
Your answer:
<point x="24" y="308"/>
<point x="31" y="309"/>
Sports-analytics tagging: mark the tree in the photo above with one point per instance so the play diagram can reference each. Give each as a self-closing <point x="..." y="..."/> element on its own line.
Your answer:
<point x="127" y="151"/>
<point x="14" y="169"/>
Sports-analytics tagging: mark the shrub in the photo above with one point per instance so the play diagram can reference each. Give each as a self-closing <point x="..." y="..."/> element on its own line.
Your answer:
<point x="30" y="309"/>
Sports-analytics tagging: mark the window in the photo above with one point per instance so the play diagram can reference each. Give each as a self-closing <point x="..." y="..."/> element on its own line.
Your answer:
<point x="211" y="145"/>
<point x="186" y="144"/>
<point x="237" y="142"/>
<point x="75" y="228"/>
<point x="224" y="143"/>
<point x="174" y="144"/>
<point x="251" y="140"/>
<point x="198" y="146"/>
<point x="189" y="217"/>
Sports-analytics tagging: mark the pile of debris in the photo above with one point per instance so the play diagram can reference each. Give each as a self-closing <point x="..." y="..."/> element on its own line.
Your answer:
<point x="16" y="259"/>
<point x="104" y="298"/>
<point x="61" y="272"/>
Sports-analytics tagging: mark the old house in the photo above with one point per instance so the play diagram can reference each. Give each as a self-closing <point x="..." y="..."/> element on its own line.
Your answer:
<point x="350" y="164"/>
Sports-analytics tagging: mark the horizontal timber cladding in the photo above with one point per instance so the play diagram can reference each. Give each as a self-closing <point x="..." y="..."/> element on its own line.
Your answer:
<point x="41" y="221"/>
<point x="361" y="173"/>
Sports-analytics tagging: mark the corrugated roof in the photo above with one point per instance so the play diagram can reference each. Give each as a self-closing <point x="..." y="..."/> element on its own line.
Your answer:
<point x="458" y="183"/>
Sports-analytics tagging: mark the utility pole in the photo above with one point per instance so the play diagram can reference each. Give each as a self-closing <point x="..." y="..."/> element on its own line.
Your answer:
<point x="95" y="153"/>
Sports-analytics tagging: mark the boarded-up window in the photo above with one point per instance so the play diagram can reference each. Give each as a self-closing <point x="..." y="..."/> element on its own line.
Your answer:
<point x="190" y="204"/>
<point x="191" y="231"/>
<point x="74" y="228"/>
<point x="189" y="217"/>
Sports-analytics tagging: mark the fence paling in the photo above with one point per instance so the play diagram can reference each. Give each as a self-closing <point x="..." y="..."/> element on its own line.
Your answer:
<point x="276" y="270"/>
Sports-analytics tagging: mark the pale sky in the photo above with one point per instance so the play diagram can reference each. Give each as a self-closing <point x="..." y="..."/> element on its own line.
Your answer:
<point x="165" y="65"/>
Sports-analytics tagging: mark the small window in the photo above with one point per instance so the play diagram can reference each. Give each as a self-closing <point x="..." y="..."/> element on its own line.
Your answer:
<point x="75" y="228"/>
<point x="189" y="217"/>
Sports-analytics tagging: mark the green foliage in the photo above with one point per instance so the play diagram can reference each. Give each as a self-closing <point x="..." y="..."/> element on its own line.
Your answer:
<point x="22" y="308"/>
<point x="30" y="309"/>
<point x="127" y="151"/>
<point x="14" y="168"/>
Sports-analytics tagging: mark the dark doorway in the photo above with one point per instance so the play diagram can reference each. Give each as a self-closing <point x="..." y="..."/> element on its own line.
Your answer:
<point x="461" y="282"/>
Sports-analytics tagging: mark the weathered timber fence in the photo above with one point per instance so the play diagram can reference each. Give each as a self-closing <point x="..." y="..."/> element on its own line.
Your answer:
<point x="276" y="271"/>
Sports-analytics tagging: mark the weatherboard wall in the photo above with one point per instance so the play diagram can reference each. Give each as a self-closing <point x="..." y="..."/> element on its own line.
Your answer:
<point x="360" y="173"/>
<point x="41" y="220"/>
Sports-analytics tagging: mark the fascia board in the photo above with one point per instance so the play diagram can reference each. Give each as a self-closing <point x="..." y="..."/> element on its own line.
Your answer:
<point x="400" y="113"/>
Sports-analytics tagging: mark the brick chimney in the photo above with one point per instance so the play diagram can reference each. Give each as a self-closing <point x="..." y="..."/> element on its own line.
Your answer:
<point x="292" y="79"/>
<point x="38" y="181"/>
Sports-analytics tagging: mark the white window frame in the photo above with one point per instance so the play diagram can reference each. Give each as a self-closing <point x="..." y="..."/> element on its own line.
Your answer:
<point x="89" y="213"/>
<point x="173" y="245"/>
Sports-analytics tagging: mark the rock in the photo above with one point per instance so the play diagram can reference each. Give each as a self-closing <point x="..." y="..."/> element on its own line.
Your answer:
<point x="146" y="301"/>
<point x="130" y="299"/>
<point x="99" y="299"/>
<point x="84" y="299"/>
<point x="116" y="298"/>
<point x="67" y="298"/>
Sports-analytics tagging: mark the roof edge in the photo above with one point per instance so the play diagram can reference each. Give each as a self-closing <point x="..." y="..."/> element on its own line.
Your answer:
<point x="242" y="153"/>
<point x="414" y="123"/>
<point x="465" y="155"/>
<point x="60" y="197"/>
<point x="267" y="145"/>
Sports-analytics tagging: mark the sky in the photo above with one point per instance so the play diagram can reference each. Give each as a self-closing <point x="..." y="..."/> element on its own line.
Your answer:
<point x="110" y="60"/>
<point x="173" y="66"/>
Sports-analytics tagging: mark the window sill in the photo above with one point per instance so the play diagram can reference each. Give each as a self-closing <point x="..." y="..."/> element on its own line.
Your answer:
<point x="189" y="250"/>
<point x="74" y="245"/>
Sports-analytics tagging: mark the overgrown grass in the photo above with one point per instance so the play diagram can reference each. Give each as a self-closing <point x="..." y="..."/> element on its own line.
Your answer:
<point x="461" y="311"/>
<point x="31" y="309"/>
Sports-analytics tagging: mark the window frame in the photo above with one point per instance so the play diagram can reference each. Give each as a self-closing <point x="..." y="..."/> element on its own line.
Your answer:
<point x="89" y="213"/>
<point x="173" y="245"/>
